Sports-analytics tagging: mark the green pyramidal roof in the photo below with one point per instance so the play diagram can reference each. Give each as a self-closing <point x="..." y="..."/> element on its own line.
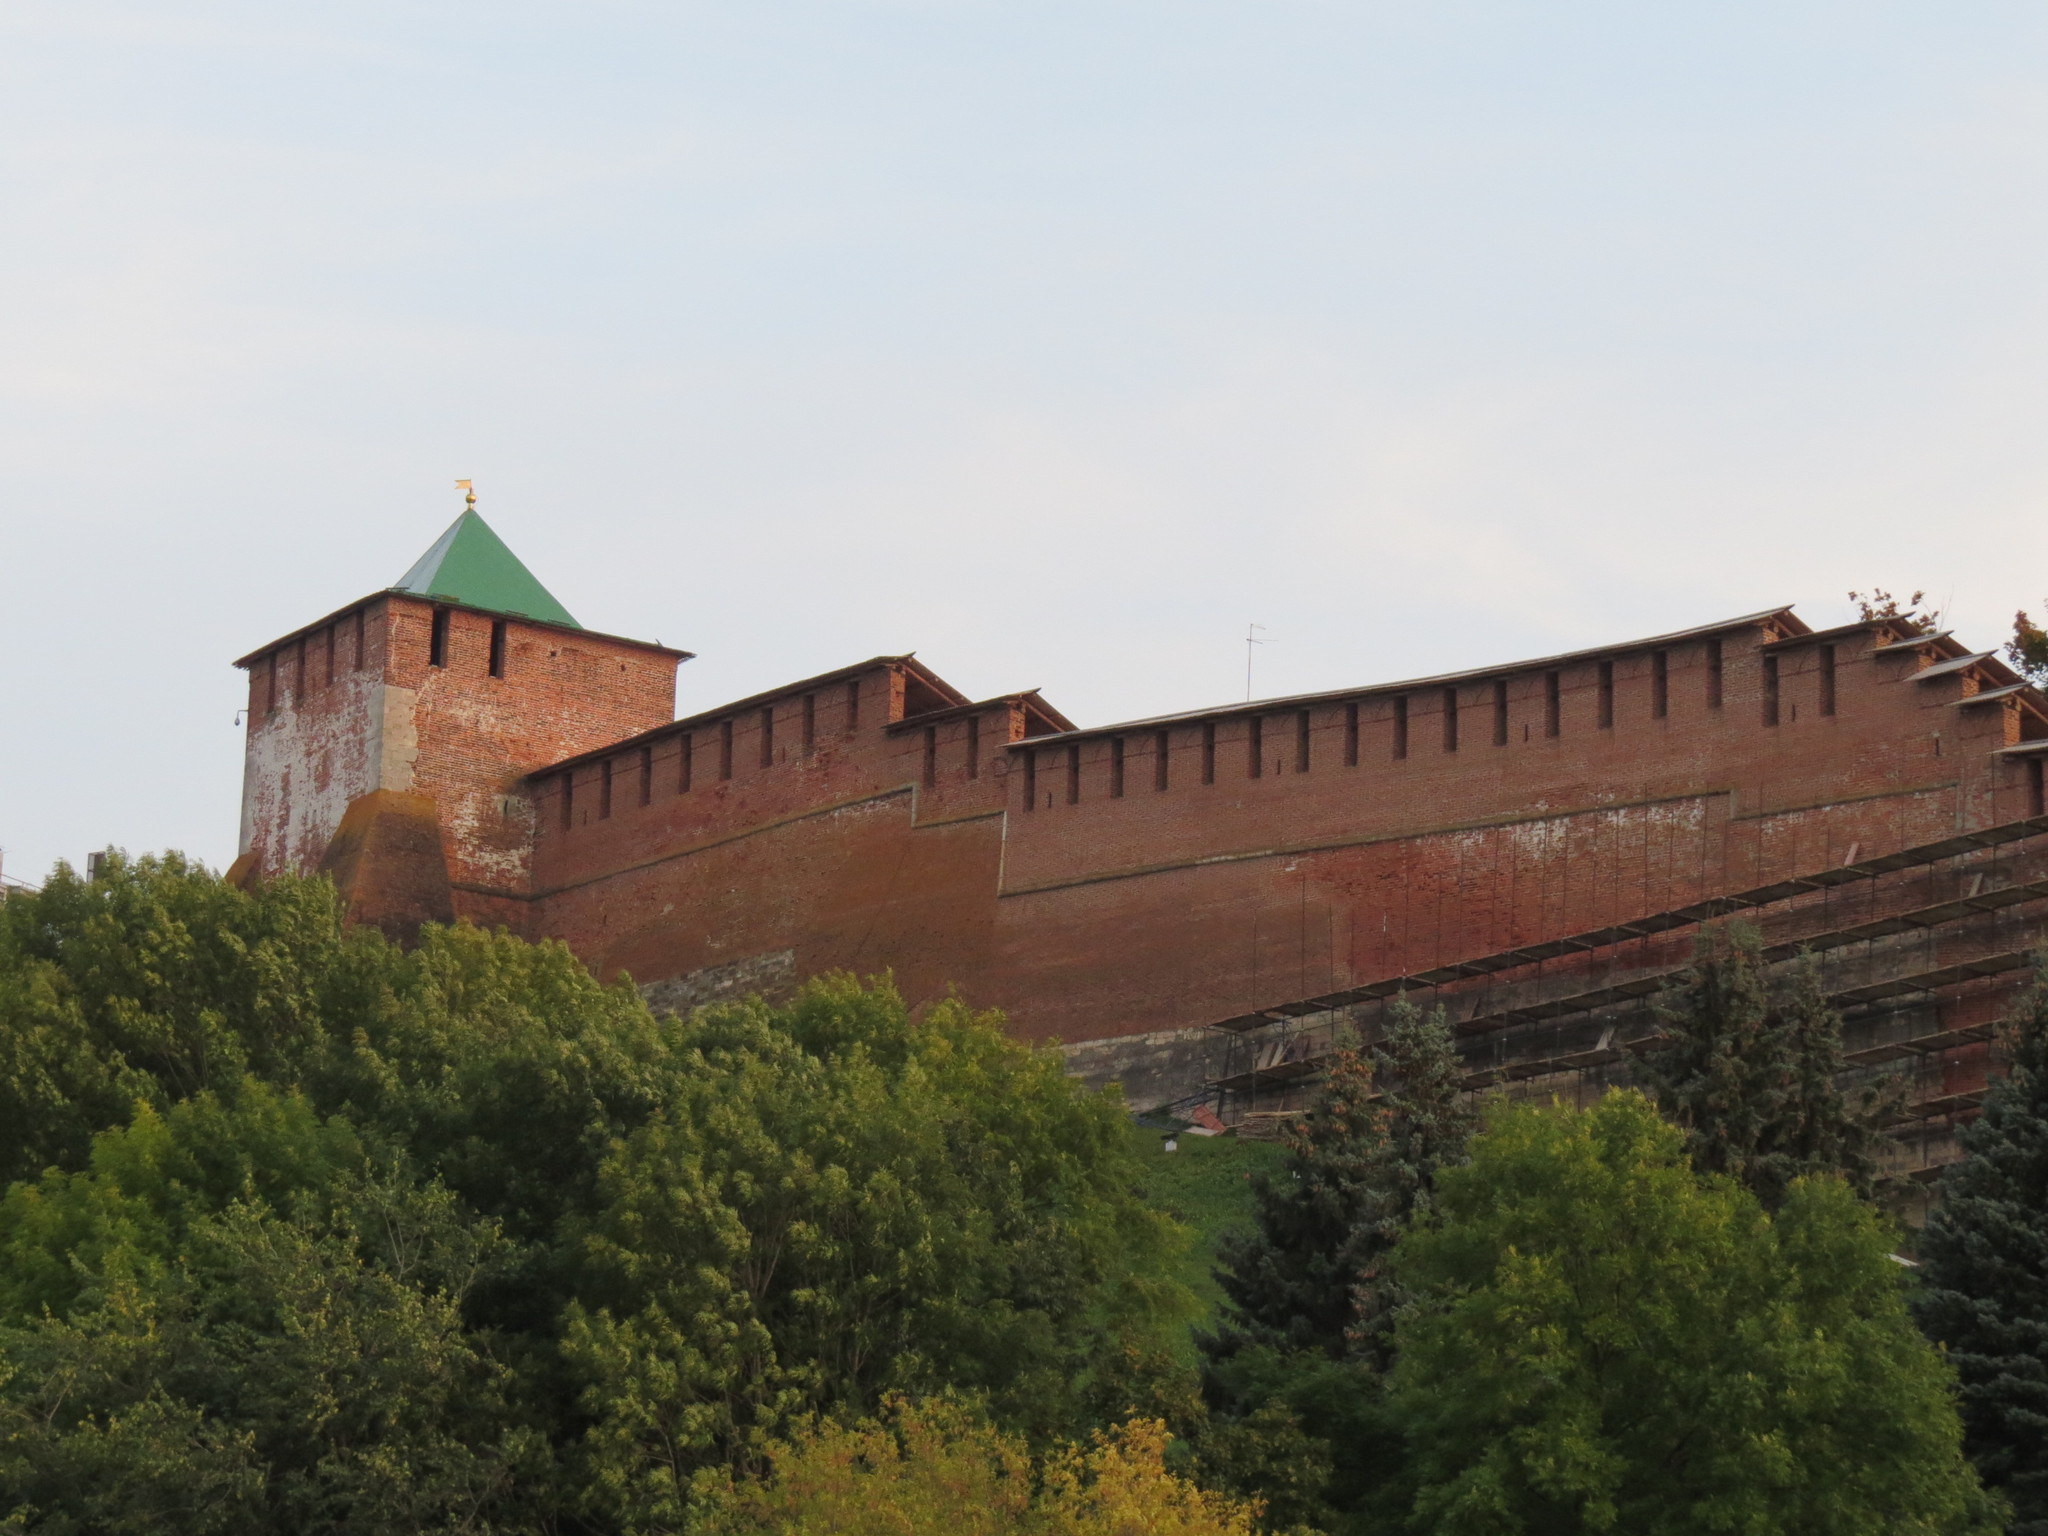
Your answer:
<point x="470" y="565"/>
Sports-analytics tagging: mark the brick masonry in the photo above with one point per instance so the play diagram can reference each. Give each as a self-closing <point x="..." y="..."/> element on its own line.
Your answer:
<point x="1133" y="882"/>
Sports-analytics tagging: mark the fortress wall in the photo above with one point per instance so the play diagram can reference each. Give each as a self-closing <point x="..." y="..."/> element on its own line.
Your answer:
<point x="1093" y="914"/>
<point x="1158" y="909"/>
<point x="873" y="818"/>
<point x="817" y="824"/>
<point x="356" y="704"/>
<point x="563" y="692"/>
<point x="314" y="738"/>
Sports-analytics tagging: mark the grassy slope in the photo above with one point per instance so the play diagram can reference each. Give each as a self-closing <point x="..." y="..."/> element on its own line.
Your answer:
<point x="1207" y="1184"/>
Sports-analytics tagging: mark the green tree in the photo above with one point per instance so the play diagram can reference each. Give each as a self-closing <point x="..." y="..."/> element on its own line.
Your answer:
<point x="248" y="1370"/>
<point x="2028" y="649"/>
<point x="1751" y="1076"/>
<point x="155" y="981"/>
<point x="1360" y="1166"/>
<point x="1607" y="1340"/>
<point x="1293" y="1372"/>
<point x="1984" y="1258"/>
<point x="839" y="1203"/>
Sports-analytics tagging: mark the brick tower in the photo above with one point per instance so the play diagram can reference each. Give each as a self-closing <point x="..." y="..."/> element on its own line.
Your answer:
<point x="388" y="742"/>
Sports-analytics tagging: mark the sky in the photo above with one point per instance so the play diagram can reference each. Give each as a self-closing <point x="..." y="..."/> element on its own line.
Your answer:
<point x="1058" y="342"/>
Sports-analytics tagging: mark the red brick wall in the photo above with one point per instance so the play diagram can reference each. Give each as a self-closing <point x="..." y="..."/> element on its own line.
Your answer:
<point x="860" y="849"/>
<point x="1105" y="914"/>
<point x="807" y="836"/>
<point x="1171" y="907"/>
<point x="452" y="732"/>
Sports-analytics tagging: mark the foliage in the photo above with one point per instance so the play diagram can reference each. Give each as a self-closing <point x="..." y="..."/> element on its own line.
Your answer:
<point x="502" y="1064"/>
<point x="153" y="982"/>
<point x="838" y="1204"/>
<point x="1359" y="1168"/>
<point x="1880" y="604"/>
<point x="1608" y="1340"/>
<point x="1427" y="1126"/>
<point x="1294" y="1372"/>
<point x="2028" y="649"/>
<point x="1752" y="1078"/>
<point x="1984" y="1257"/>
<point x="310" y="1232"/>
<point x="940" y="1468"/>
<point x="285" y="1375"/>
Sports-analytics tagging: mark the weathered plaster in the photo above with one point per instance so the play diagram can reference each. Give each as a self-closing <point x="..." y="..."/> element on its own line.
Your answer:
<point x="395" y="744"/>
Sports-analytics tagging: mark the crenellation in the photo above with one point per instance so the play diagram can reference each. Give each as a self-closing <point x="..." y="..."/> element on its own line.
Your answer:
<point x="1135" y="880"/>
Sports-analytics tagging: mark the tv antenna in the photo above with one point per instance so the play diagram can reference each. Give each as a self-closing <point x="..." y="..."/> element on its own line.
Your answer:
<point x="1251" y="638"/>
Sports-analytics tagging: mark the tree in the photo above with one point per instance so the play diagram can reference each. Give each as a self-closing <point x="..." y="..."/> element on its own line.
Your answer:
<point x="2028" y="649"/>
<point x="1880" y="604"/>
<point x="1751" y="1078"/>
<point x="243" y="1369"/>
<point x="1822" y="1130"/>
<point x="155" y="981"/>
<point x="248" y="1146"/>
<point x="1359" y="1168"/>
<point x="837" y="1204"/>
<point x="938" y="1468"/>
<point x="1607" y="1340"/>
<point x="1293" y="1372"/>
<point x="1427" y="1126"/>
<point x="1984" y="1271"/>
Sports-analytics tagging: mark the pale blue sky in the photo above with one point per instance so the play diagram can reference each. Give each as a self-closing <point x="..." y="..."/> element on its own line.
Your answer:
<point x="1057" y="342"/>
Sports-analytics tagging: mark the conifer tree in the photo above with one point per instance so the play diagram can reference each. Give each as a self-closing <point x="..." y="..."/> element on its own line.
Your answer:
<point x="1752" y="1079"/>
<point x="1294" y="1374"/>
<point x="1358" y="1170"/>
<point x="1427" y="1122"/>
<point x="1984" y="1268"/>
<point x="1822" y="1129"/>
<point x="1288" y="1280"/>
